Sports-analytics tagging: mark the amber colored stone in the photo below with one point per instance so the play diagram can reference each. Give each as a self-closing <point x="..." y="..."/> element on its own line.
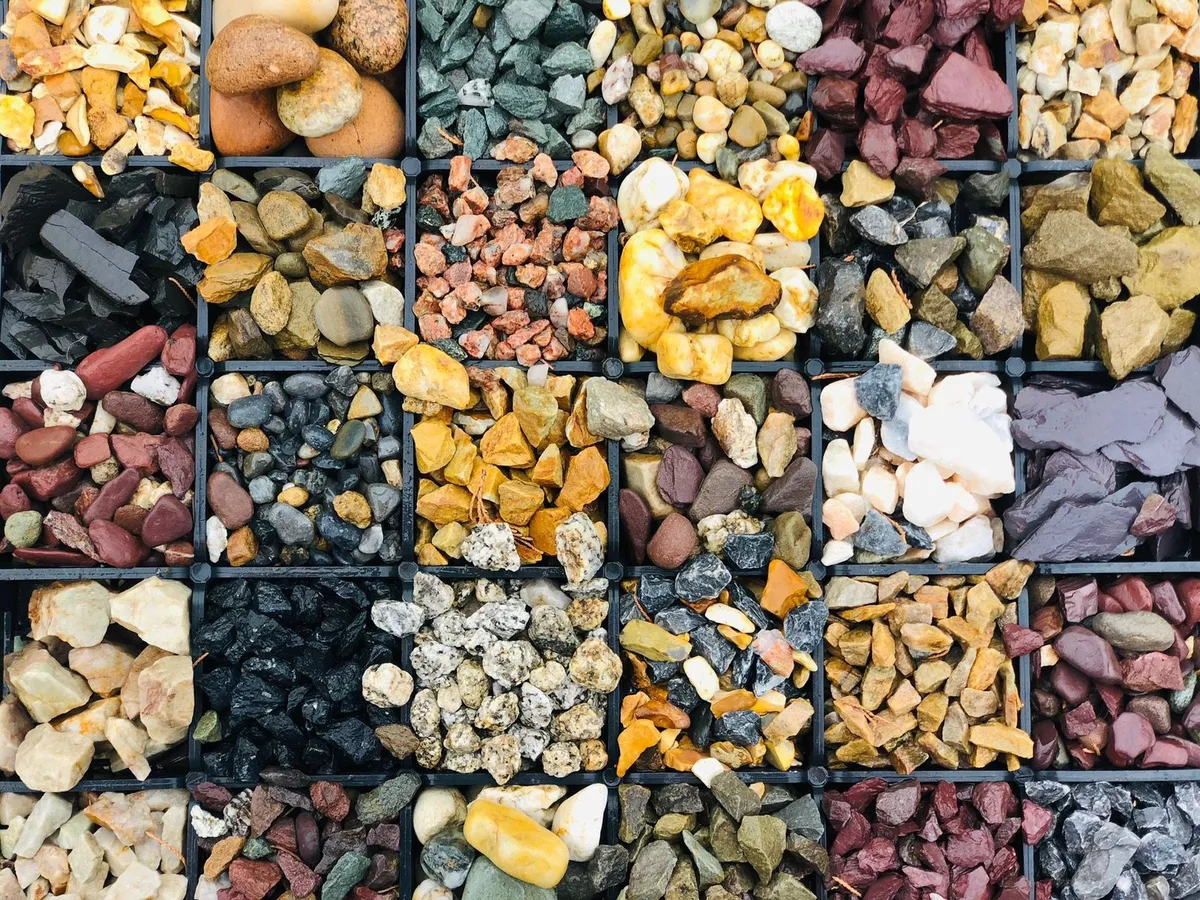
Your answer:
<point x="504" y="444"/>
<point x="586" y="479"/>
<point x="784" y="591"/>
<point x="795" y="209"/>
<point x="243" y="547"/>
<point x="663" y="714"/>
<point x="543" y="525"/>
<point x="633" y="741"/>
<point x="1002" y="738"/>
<point x="211" y="241"/>
<point x="724" y="702"/>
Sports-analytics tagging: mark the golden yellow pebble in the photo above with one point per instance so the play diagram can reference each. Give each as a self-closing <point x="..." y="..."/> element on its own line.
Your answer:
<point x="516" y="845"/>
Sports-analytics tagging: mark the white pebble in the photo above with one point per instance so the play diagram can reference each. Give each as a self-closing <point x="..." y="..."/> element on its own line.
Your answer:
<point x="157" y="386"/>
<point x="580" y="819"/>
<point x="218" y="538"/>
<point x="62" y="390"/>
<point x="702" y="677"/>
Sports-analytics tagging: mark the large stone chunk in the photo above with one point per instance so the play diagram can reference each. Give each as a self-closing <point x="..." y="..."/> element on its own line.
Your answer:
<point x="720" y="286"/>
<point x="1178" y="183"/>
<point x="1118" y="197"/>
<point x="46" y="688"/>
<point x="53" y="761"/>
<point x="167" y="699"/>
<point x="156" y="610"/>
<point x="1070" y="244"/>
<point x="960" y="89"/>
<point x="427" y="373"/>
<point x="1131" y="334"/>
<point x="1062" y="315"/>
<point x="73" y="612"/>
<point x="614" y="411"/>
<point x="1129" y="412"/>
<point x="1069" y="192"/>
<point x="1168" y="267"/>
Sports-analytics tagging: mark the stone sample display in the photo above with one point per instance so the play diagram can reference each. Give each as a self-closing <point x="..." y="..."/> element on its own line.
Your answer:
<point x="100" y="459"/>
<point x="1114" y="682"/>
<point x="85" y="692"/>
<point x="718" y="668"/>
<point x="1109" y="468"/>
<point x="270" y="81"/>
<point x="1107" y="266"/>
<point x="507" y="81"/>
<point x="710" y="84"/>
<point x="295" y="836"/>
<point x="919" y="670"/>
<point x="82" y="273"/>
<point x="299" y="674"/>
<point x="129" y="845"/>
<point x="1111" y="81"/>
<point x="513" y="463"/>
<point x="305" y="471"/>
<point x="927" y="457"/>
<point x="721" y="836"/>
<point x="510" y="675"/>
<point x="953" y="833"/>
<point x="746" y="296"/>
<point x="304" y="266"/>
<point x="726" y="472"/>
<point x="924" y="271"/>
<point x="519" y="271"/>
<point x="87" y="78"/>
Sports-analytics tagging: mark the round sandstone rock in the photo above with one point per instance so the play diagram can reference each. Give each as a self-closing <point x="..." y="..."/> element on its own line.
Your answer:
<point x="247" y="124"/>
<point x="257" y="52"/>
<point x="371" y="34"/>
<point x="324" y="101"/>
<point x="377" y="130"/>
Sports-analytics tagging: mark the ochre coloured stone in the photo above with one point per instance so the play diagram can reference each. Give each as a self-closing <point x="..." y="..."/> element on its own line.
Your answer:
<point x="516" y="844"/>
<point x="587" y="477"/>
<point x="785" y="590"/>
<point x="720" y="286"/>
<point x="426" y="373"/>
<point x="504" y="444"/>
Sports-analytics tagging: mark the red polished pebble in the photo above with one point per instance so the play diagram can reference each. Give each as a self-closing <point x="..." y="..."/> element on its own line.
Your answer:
<point x="12" y="427"/>
<point x="44" y="445"/>
<point x="106" y="370"/>
<point x="167" y="521"/>
<point x="114" y="545"/>
<point x="179" y="351"/>
<point x="113" y="496"/>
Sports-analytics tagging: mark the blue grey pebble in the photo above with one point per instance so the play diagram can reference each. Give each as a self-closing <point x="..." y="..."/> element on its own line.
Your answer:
<point x="306" y="385"/>
<point x="292" y="526"/>
<point x="249" y="412"/>
<point x="262" y="489"/>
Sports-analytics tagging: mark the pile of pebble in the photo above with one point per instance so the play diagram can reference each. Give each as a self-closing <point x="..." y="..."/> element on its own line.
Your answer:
<point x="304" y="470"/>
<point x="887" y="837"/>
<point x="505" y="81"/>
<point x="515" y="468"/>
<point x="112" y="844"/>
<point x="910" y="84"/>
<point x="1116" y="681"/>
<point x="518" y="271"/>
<point x="1102" y="238"/>
<point x="726" y="472"/>
<point x="920" y="669"/>
<point x="291" y="836"/>
<point x="746" y="296"/>
<point x="509" y="674"/>
<point x="121" y="495"/>
<point x="1100" y="840"/>
<point x="300" y="266"/>
<point x="299" y="675"/>
<point x="270" y="81"/>
<point x="84" y="690"/>
<point x="725" y="839"/>
<point x="531" y="841"/>
<point x="1110" y="82"/>
<point x="1110" y="469"/>
<point x="924" y="273"/>
<point x="81" y="273"/>
<point x="84" y="78"/>
<point x="927" y="458"/>
<point x="718" y="667"/>
<point x="688" y="82"/>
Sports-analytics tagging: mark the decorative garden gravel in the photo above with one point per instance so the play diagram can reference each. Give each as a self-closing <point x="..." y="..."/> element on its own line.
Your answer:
<point x="303" y="266"/>
<point x="510" y="675"/>
<point x="1115" y="683"/>
<point x="919" y="670"/>
<point x="726" y="471"/>
<point x="300" y="675"/>
<point x="1099" y="840"/>
<point x="724" y="838"/>
<point x="293" y="836"/>
<point x="305" y="470"/>
<point x="122" y="495"/>
<point x="889" y="838"/>
<point x="923" y="270"/>
<point x="82" y="273"/>
<point x="718" y="667"/>
<point x="518" y="271"/>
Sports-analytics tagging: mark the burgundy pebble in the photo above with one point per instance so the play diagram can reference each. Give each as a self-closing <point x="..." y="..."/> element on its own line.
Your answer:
<point x="167" y="521"/>
<point x="113" y="496"/>
<point x="115" y="546"/>
<point x="11" y="428"/>
<point x="229" y="500"/>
